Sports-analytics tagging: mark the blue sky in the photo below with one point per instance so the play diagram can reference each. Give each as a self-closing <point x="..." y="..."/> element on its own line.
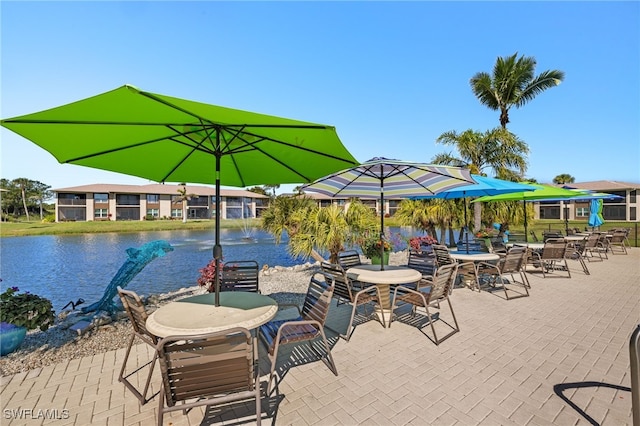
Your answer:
<point x="390" y="76"/>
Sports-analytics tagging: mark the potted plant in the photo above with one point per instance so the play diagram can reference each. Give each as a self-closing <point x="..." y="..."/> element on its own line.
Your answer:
<point x="20" y="312"/>
<point x="370" y="245"/>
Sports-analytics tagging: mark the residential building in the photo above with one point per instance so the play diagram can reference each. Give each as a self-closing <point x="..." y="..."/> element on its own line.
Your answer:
<point x="153" y="201"/>
<point x="625" y="209"/>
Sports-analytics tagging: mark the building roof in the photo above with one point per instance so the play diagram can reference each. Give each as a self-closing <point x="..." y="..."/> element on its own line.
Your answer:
<point x="157" y="188"/>
<point x="603" y="185"/>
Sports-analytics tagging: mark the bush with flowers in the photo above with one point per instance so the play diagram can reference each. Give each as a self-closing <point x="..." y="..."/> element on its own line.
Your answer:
<point x="208" y="276"/>
<point x="26" y="310"/>
<point x="418" y="243"/>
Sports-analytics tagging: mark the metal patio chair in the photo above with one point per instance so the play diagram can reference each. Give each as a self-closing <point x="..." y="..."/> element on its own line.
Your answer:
<point x="137" y="314"/>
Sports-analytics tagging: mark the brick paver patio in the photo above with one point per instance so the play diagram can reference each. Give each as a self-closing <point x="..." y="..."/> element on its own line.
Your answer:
<point x="560" y="356"/>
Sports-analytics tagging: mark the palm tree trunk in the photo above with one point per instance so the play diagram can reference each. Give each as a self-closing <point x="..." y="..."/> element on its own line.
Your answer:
<point x="316" y="256"/>
<point x="24" y="201"/>
<point x="477" y="216"/>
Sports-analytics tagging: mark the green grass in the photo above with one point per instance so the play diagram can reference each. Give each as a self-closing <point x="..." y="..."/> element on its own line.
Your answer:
<point x="24" y="228"/>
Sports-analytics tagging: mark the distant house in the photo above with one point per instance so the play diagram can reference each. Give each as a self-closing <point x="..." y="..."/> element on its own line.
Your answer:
<point x="153" y="201"/>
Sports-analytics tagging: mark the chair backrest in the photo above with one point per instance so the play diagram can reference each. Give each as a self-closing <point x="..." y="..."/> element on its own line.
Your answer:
<point x="552" y="234"/>
<point x="617" y="237"/>
<point x="591" y="241"/>
<point x="498" y="246"/>
<point x="207" y="364"/>
<point x="135" y="310"/>
<point x="425" y="262"/>
<point x="514" y="260"/>
<point x="442" y="281"/>
<point x="349" y="258"/>
<point x="442" y="255"/>
<point x="473" y="245"/>
<point x="240" y="275"/>
<point x="343" y="285"/>
<point x="554" y="248"/>
<point x="318" y="299"/>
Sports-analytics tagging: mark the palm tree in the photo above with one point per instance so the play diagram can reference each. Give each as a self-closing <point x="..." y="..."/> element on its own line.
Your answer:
<point x="332" y="228"/>
<point x="563" y="178"/>
<point x="512" y="83"/>
<point x="430" y="215"/>
<point x="272" y="188"/>
<point x="279" y="216"/>
<point x="496" y="149"/>
<point x="24" y="184"/>
<point x="183" y="198"/>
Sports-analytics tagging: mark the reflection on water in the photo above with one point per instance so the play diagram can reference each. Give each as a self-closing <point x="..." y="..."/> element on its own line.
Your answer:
<point x="67" y="267"/>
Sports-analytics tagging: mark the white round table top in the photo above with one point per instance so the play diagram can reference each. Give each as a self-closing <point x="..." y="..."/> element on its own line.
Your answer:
<point x="390" y="275"/>
<point x="199" y="315"/>
<point x="532" y="246"/>
<point x="474" y="257"/>
<point x="575" y="237"/>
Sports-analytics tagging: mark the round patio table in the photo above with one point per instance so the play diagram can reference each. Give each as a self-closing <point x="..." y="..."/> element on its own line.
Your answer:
<point x="468" y="261"/>
<point x="383" y="279"/>
<point x="199" y="315"/>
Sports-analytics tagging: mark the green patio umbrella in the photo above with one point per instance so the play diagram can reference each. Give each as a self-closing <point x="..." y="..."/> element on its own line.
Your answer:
<point x="541" y="192"/>
<point x="167" y="139"/>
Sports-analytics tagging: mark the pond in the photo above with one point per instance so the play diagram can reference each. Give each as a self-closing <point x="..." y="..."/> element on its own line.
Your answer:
<point x="64" y="268"/>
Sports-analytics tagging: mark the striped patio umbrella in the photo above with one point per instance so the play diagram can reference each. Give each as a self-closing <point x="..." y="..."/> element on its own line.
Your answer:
<point x="380" y="177"/>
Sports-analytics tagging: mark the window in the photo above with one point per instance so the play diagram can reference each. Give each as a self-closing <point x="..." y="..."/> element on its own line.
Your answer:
<point x="101" y="213"/>
<point x="153" y="198"/>
<point x="234" y="207"/>
<point x="127" y="199"/>
<point x="153" y="212"/>
<point x="69" y="199"/>
<point x="101" y="198"/>
<point x="614" y="212"/>
<point x="549" y="212"/>
<point x="582" y="212"/>
<point x="632" y="196"/>
<point x="127" y="213"/>
<point x="632" y="213"/>
<point x="177" y="213"/>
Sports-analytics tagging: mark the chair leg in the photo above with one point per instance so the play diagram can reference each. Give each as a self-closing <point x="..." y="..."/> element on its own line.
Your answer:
<point x="329" y="357"/>
<point x="142" y="397"/>
<point x="161" y="405"/>
<point x="433" y="328"/>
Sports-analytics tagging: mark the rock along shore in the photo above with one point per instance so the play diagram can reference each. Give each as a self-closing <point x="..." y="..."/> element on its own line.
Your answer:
<point x="71" y="338"/>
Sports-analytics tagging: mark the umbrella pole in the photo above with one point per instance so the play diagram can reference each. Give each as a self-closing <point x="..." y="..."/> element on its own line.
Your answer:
<point x="524" y="206"/>
<point x="217" y="248"/>
<point x="381" y="223"/>
<point x="466" y="224"/>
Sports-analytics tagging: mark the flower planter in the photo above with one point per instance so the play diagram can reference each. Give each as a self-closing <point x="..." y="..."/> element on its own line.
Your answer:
<point x="375" y="260"/>
<point x="11" y="337"/>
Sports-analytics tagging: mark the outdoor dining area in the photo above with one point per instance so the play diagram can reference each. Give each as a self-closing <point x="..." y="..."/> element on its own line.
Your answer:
<point x="213" y="349"/>
<point x="470" y="334"/>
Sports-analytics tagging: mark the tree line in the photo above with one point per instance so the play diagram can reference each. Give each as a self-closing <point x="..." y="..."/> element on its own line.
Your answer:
<point x="23" y="197"/>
